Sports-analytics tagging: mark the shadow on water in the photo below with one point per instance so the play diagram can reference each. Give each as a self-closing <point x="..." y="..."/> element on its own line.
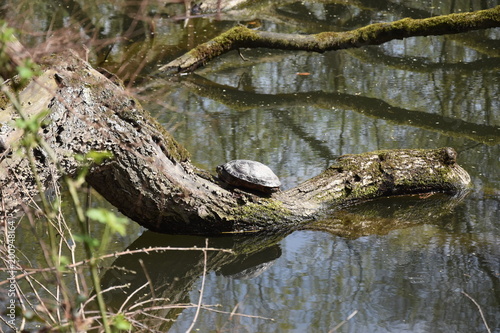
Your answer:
<point x="159" y="278"/>
<point x="155" y="287"/>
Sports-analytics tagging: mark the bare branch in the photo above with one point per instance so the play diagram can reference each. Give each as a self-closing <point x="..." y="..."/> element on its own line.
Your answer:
<point x="202" y="288"/>
<point x="480" y="311"/>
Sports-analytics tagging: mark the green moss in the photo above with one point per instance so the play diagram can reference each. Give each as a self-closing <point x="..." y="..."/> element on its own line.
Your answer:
<point x="174" y="148"/>
<point x="365" y="191"/>
<point x="223" y="42"/>
<point x="325" y="37"/>
<point x="266" y="209"/>
<point x="378" y="33"/>
<point x="392" y="172"/>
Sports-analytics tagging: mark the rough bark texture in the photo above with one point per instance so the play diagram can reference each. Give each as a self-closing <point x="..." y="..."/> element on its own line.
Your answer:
<point x="373" y="34"/>
<point x="151" y="180"/>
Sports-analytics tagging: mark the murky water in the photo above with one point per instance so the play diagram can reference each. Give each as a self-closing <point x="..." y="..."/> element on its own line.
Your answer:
<point x="424" y="92"/>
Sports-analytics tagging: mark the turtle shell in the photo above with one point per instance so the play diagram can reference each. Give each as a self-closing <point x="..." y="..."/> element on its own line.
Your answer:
<point x="249" y="174"/>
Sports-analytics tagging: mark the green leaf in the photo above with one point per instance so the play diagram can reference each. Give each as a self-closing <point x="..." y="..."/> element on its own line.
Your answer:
<point x="25" y="72"/>
<point x="115" y="223"/>
<point x="79" y="157"/>
<point x="32" y="124"/>
<point x="93" y="242"/>
<point x="121" y="323"/>
<point x="21" y="123"/>
<point x="63" y="260"/>
<point x="99" y="156"/>
<point x="6" y="33"/>
<point x="28" y="69"/>
<point x="80" y="299"/>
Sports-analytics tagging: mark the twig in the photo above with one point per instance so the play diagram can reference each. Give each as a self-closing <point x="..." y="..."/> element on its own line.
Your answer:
<point x="130" y="296"/>
<point x="480" y="311"/>
<point x="233" y="313"/>
<point x="4" y="217"/>
<point x="202" y="287"/>
<point x="13" y="328"/>
<point x="161" y="318"/>
<point x="343" y="322"/>
<point x="104" y="291"/>
<point x="151" y="287"/>
<point x="111" y="255"/>
<point x="151" y="300"/>
<point x="170" y="306"/>
<point x="41" y="302"/>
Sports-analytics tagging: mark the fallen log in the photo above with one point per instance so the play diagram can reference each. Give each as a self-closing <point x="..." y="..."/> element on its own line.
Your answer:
<point x="151" y="180"/>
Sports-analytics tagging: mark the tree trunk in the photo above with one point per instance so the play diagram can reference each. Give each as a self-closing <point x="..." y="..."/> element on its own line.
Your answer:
<point x="373" y="34"/>
<point x="150" y="179"/>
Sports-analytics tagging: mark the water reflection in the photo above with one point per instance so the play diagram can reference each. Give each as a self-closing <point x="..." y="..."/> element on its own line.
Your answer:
<point x="311" y="279"/>
<point x="382" y="216"/>
<point x="368" y="106"/>
<point x="405" y="261"/>
<point x="166" y="278"/>
<point x="317" y="280"/>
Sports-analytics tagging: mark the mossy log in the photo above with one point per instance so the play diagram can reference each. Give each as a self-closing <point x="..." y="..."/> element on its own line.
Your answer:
<point x="373" y="34"/>
<point x="151" y="180"/>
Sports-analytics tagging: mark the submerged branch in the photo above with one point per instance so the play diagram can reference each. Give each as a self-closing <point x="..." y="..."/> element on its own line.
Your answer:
<point x="373" y="34"/>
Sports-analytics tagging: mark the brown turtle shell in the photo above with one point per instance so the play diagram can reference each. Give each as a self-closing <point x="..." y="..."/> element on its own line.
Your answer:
<point x="250" y="175"/>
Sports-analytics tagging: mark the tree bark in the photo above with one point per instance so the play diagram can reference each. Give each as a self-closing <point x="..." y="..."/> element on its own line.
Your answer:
<point x="151" y="180"/>
<point x="373" y="34"/>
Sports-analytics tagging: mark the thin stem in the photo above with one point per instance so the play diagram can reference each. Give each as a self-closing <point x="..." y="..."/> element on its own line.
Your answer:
<point x="344" y="321"/>
<point x="151" y="286"/>
<point x="96" y="281"/>
<point x="198" y="307"/>
<point x="480" y="311"/>
<point x="115" y="255"/>
<point x="50" y="214"/>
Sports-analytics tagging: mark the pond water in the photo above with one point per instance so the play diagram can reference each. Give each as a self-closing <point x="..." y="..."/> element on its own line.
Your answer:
<point x="296" y="112"/>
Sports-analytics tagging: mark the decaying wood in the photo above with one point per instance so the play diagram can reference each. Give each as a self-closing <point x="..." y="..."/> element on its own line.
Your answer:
<point x="373" y="34"/>
<point x="151" y="180"/>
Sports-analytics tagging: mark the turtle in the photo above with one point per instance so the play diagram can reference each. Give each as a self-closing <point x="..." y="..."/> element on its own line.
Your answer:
<point x="249" y="175"/>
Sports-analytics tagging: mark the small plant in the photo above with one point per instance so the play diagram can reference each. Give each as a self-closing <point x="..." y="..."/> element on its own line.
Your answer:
<point x="65" y="310"/>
